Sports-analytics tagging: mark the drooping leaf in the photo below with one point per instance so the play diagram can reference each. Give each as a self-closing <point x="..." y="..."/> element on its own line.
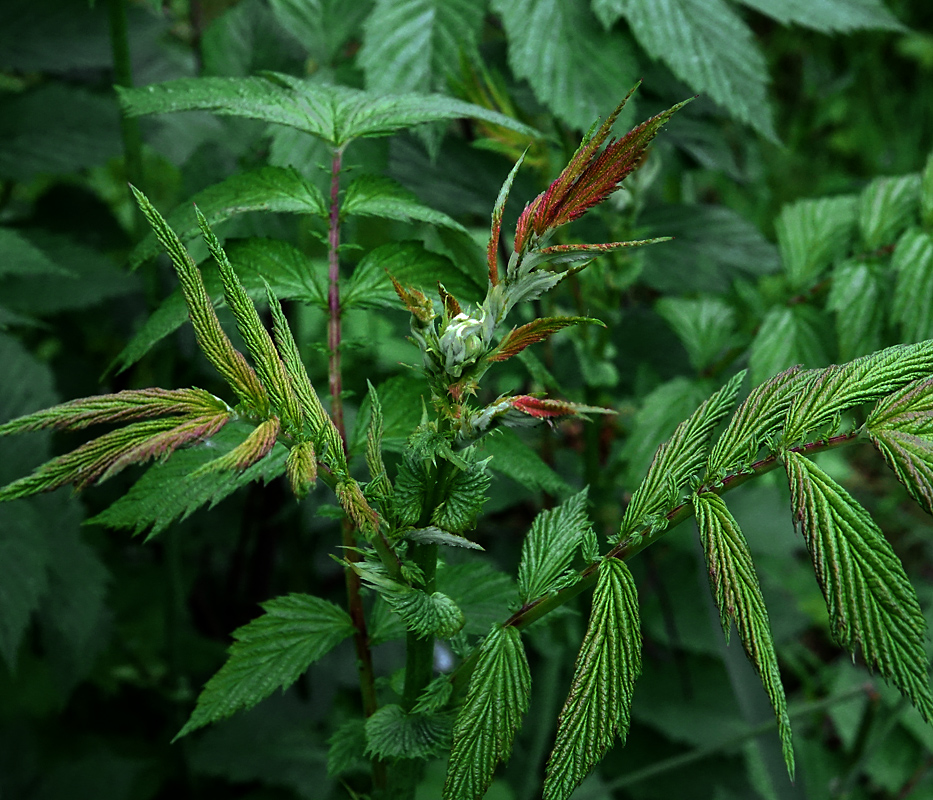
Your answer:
<point x="559" y="48"/>
<point x="857" y="297"/>
<point x="787" y="336"/>
<point x="549" y="547"/>
<point x="870" y="600"/>
<point x="813" y="233"/>
<point x="912" y="304"/>
<point x="886" y="207"/>
<point x="497" y="699"/>
<point x="276" y="189"/>
<point x="828" y="16"/>
<point x="598" y="706"/>
<point x="516" y="460"/>
<point x="734" y="584"/>
<point x="679" y="458"/>
<point x="413" y="45"/>
<point x="336" y="114"/>
<point x="705" y="325"/>
<point x="393" y="733"/>
<point x="270" y="652"/>
<point x="378" y="196"/>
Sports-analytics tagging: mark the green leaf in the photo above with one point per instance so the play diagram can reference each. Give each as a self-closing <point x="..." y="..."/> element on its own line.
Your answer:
<point x="270" y="652"/>
<point x="481" y="592"/>
<point x="19" y="256"/>
<point x="787" y="336"/>
<point x="425" y="614"/>
<point x="497" y="699"/>
<point x="926" y="192"/>
<point x="549" y="547"/>
<point x="858" y="298"/>
<point x="275" y="189"/>
<point x="336" y="114"/>
<point x="598" y="707"/>
<point x="516" y="460"/>
<point x="393" y="733"/>
<point x="707" y="45"/>
<point x="170" y="490"/>
<point x="322" y="26"/>
<point x="432" y="535"/>
<point x="402" y="401"/>
<point x="414" y="45"/>
<point x="828" y="16"/>
<point x="571" y="64"/>
<point x="347" y="747"/>
<point x="814" y="233"/>
<point x="912" y="304"/>
<point x="734" y="584"/>
<point x="465" y="498"/>
<point x="871" y="603"/>
<point x="836" y="388"/>
<point x="705" y="325"/>
<point x="887" y="206"/>
<point x="678" y="459"/>
<point x="378" y="196"/>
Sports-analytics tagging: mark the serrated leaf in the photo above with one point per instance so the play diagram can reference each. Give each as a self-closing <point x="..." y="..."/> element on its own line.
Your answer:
<point x="432" y="535"/>
<point x="535" y="331"/>
<point x="598" y="706"/>
<point x="336" y="114"/>
<point x="497" y="699"/>
<point x="836" y="388"/>
<point x="559" y="48"/>
<point x="734" y="584"/>
<point x="705" y="325"/>
<point x="393" y="733"/>
<point x="426" y="614"/>
<point x="926" y="192"/>
<point x="516" y="460"/>
<point x="679" y="457"/>
<point x="549" y="547"/>
<point x="480" y="591"/>
<point x="322" y="26"/>
<point x="274" y="189"/>
<point x="912" y="304"/>
<point x="270" y="652"/>
<point x="787" y="336"/>
<point x="413" y="45"/>
<point x="707" y="45"/>
<point x="813" y="233"/>
<point x="828" y="16"/>
<point x="870" y="600"/>
<point x="858" y="299"/>
<point x="347" y="748"/>
<point x="465" y="498"/>
<point x="887" y="206"/>
<point x="378" y="196"/>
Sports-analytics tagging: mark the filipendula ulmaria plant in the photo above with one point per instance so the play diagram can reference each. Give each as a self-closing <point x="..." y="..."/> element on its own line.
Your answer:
<point x="440" y="486"/>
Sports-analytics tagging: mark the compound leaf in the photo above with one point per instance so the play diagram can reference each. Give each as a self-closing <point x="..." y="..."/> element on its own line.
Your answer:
<point x="871" y="603"/>
<point x="496" y="701"/>
<point x="598" y="706"/>
<point x="734" y="584"/>
<point x="271" y="651"/>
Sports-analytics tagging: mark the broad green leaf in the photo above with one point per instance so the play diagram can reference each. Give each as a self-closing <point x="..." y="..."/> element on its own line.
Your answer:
<point x="549" y="547"/>
<point x="288" y="271"/>
<point x="571" y="64"/>
<point x="912" y="304"/>
<point x="413" y="45"/>
<point x="481" y="592"/>
<point x="425" y="614"/>
<point x="321" y="26"/>
<point x="836" y="388"/>
<point x="466" y="496"/>
<point x="814" y="233"/>
<point x="402" y="401"/>
<point x="828" y="16"/>
<point x="19" y="256"/>
<point x="497" y="699"/>
<point x="707" y="45"/>
<point x="678" y="459"/>
<point x="336" y="114"/>
<point x="393" y="733"/>
<point x="377" y="196"/>
<point x="926" y="192"/>
<point x="245" y="39"/>
<point x="870" y="600"/>
<point x="270" y="652"/>
<point x="886" y="207"/>
<point x="705" y="325"/>
<point x="169" y="491"/>
<point x="858" y="299"/>
<point x="516" y="460"/>
<point x="787" y="336"/>
<point x="734" y="584"/>
<point x="598" y="707"/>
<point x="411" y="265"/>
<point x="347" y="746"/>
<point x="276" y="189"/>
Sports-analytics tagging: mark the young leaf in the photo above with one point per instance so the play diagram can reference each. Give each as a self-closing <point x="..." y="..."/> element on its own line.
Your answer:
<point x="886" y="207"/>
<point x="598" y="706"/>
<point x="251" y="450"/>
<point x="814" y="233"/>
<point x="271" y="651"/>
<point x="426" y="614"/>
<point x="276" y="189"/>
<point x="378" y="196"/>
<point x="301" y="468"/>
<point x="679" y="457"/>
<point x="465" y="498"/>
<point x="870" y="600"/>
<point x="393" y="733"/>
<point x="432" y="535"/>
<point x="734" y="584"/>
<point x="912" y="304"/>
<point x="535" y="331"/>
<point x="492" y="247"/>
<point x="547" y="551"/>
<point x="497" y="699"/>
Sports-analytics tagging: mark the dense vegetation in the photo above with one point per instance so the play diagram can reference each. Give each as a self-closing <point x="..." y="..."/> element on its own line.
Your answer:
<point x="444" y="496"/>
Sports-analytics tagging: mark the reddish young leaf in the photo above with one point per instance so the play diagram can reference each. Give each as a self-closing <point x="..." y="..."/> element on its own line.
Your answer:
<point x="520" y="338"/>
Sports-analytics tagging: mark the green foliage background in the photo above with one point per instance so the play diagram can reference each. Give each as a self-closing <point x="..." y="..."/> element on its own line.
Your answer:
<point x="792" y="185"/>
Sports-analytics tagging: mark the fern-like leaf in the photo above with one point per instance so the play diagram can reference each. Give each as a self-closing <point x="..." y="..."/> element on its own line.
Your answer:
<point x="598" y="706"/>
<point x="871" y="603"/>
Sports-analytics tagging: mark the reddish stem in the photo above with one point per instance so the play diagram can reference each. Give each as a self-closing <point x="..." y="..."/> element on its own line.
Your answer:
<point x="333" y="298"/>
